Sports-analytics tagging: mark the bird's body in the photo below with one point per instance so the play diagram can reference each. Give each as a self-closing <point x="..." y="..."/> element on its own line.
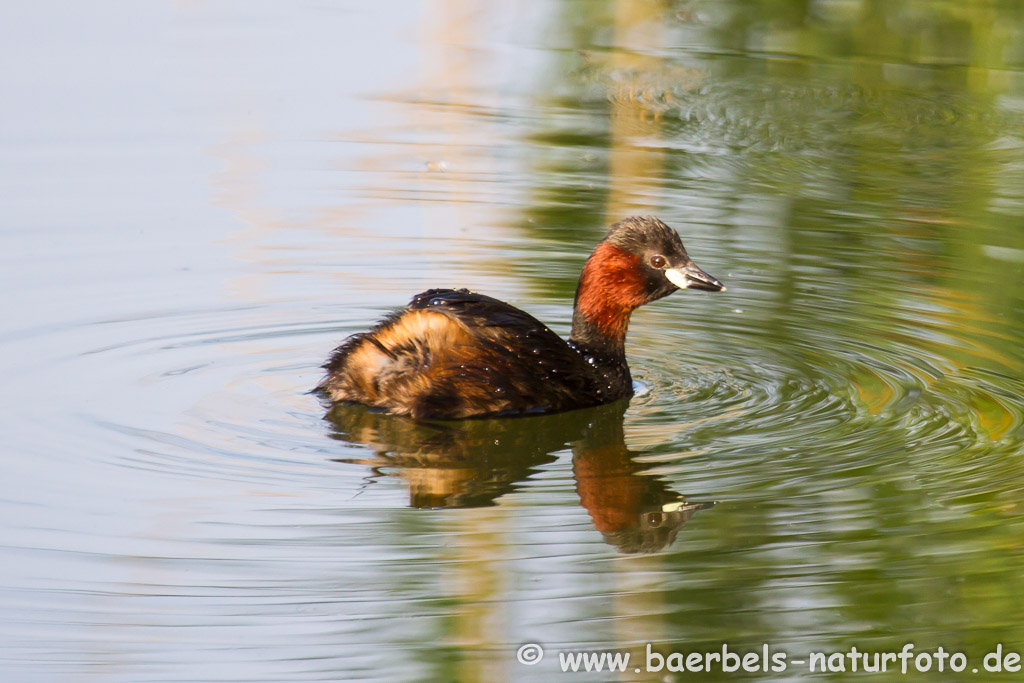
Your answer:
<point x="454" y="354"/>
<point x="452" y="351"/>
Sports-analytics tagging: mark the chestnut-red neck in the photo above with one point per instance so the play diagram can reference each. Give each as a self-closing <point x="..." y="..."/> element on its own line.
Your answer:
<point x="611" y="287"/>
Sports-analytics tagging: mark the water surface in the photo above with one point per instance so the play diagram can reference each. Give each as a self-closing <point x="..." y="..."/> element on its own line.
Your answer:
<point x="203" y="198"/>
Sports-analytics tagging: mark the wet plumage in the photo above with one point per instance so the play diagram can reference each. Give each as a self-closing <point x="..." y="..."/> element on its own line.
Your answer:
<point x="454" y="354"/>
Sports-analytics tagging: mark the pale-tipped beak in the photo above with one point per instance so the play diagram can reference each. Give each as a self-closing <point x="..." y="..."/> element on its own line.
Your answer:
<point x="692" y="277"/>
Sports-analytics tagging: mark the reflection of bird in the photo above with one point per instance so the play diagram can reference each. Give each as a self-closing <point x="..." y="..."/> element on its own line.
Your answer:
<point x="473" y="462"/>
<point x="635" y="512"/>
<point x="454" y="354"/>
<point x="451" y="464"/>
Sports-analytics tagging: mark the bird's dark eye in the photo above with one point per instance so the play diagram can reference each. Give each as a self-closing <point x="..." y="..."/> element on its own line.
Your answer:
<point x="658" y="261"/>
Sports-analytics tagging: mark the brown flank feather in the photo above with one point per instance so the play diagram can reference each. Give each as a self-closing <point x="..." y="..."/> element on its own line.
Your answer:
<point x="460" y="357"/>
<point x="397" y="363"/>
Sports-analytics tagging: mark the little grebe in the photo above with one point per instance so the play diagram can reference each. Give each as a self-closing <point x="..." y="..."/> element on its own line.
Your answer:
<point x="454" y="354"/>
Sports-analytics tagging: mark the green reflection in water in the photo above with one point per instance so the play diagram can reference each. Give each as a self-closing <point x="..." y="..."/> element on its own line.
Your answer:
<point x="858" y="166"/>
